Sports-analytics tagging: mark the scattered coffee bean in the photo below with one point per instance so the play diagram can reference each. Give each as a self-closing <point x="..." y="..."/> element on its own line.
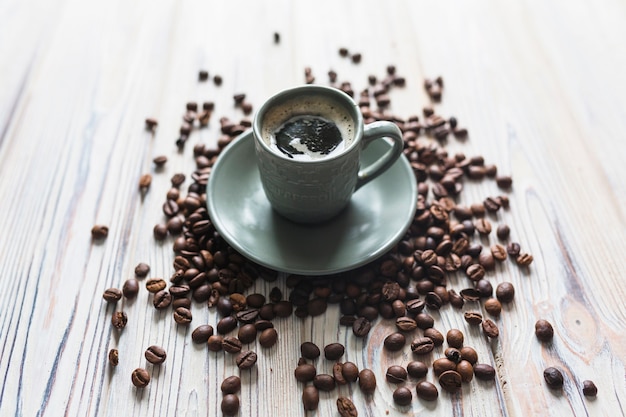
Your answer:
<point x="230" y="404"/>
<point x="162" y="300"/>
<point x="334" y="351"/>
<point x="466" y="370"/>
<point x="490" y="328"/>
<point x="553" y="377"/>
<point x="231" y="344"/>
<point x="417" y="369"/>
<point x="350" y="371"/>
<point x="202" y="333"/>
<point x="268" y="337"/>
<point x="310" y="350"/>
<point x="544" y="330"/>
<point x="493" y="306"/>
<point x="99" y="232"/>
<point x="155" y="285"/>
<point x="324" y="382"/>
<point x="112" y="295"/>
<point x="144" y="182"/>
<point x="141" y="270"/>
<point x="119" y="320"/>
<point x="217" y="80"/>
<point x="367" y="381"/>
<point x="214" y="343"/>
<point x="338" y="374"/>
<point x="247" y="333"/>
<point x="346" y="407"/>
<point x="396" y="374"/>
<point x="427" y="391"/>
<point x="246" y="359"/>
<point x="504" y="182"/>
<point x="226" y="325"/>
<point x="406" y="324"/>
<point x="394" y="342"/>
<point x="114" y="357"/>
<point x="589" y="388"/>
<point x="305" y="372"/>
<point x="140" y="378"/>
<point x="310" y="398"/>
<point x="473" y="318"/>
<point x="130" y="289"/>
<point x="422" y="346"/>
<point x="231" y="385"/>
<point x="503" y="231"/>
<point x="484" y="371"/>
<point x="524" y="259"/>
<point x="182" y="316"/>
<point x="450" y="381"/>
<point x="151" y="123"/>
<point x="442" y="365"/>
<point x="469" y="354"/>
<point x="402" y="396"/>
<point x="454" y="337"/>
<point x="434" y="335"/>
<point x="424" y="321"/>
<point x="155" y="355"/>
<point x="361" y="327"/>
<point x="505" y="292"/>
<point x="513" y="249"/>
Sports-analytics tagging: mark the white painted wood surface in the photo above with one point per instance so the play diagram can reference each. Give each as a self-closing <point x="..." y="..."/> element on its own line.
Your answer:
<point x="539" y="85"/>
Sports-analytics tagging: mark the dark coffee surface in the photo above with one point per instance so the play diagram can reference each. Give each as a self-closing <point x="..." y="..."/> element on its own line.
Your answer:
<point x="315" y="134"/>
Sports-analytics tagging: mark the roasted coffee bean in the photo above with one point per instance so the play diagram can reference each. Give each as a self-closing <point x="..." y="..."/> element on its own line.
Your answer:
<point x="246" y="359"/>
<point x="224" y="306"/>
<point x="155" y="285"/>
<point x="151" y="123"/>
<point x="202" y="333"/>
<point x="283" y="309"/>
<point x="214" y="343"/>
<point x="475" y="272"/>
<point x="504" y="182"/>
<point x="230" y="404"/>
<point x="427" y="391"/>
<point x="162" y="300"/>
<point x="524" y="259"/>
<point x="396" y="374"/>
<point x="470" y="294"/>
<point x="456" y="300"/>
<point x="347" y="321"/>
<point x="442" y="365"/>
<point x="486" y="260"/>
<point x="424" y="321"/>
<point x="155" y="354"/>
<point x="367" y="381"/>
<point x="491" y="204"/>
<point x="503" y="231"/>
<point x="498" y="252"/>
<point x="453" y="354"/>
<point x="450" y="381"/>
<point x="483" y="226"/>
<point x="114" y="357"/>
<point x="513" y="249"/>
<point x="361" y="327"/>
<point x="276" y="295"/>
<point x="394" y="342"/>
<point x="182" y="316"/>
<point x="505" y="292"/>
<point x="119" y="320"/>
<point x="417" y="369"/>
<point x="130" y="289"/>
<point x="553" y="377"/>
<point x="140" y="378"/>
<point x="99" y="232"/>
<point x="231" y="385"/>
<point x="422" y="346"/>
<point x="112" y="295"/>
<point x="544" y="330"/>
<point x="310" y="398"/>
<point x="324" y="382"/>
<point x="433" y="301"/>
<point x="454" y="337"/>
<point x="472" y="317"/>
<point x="142" y="269"/>
<point x="350" y="372"/>
<point x="484" y="288"/>
<point x="402" y="396"/>
<point x="406" y="324"/>
<point x="484" y="371"/>
<point x="338" y="374"/>
<point x="466" y="370"/>
<point x="231" y="344"/>
<point x="226" y="325"/>
<point x="309" y="350"/>
<point x="144" y="182"/>
<point x="255" y="300"/>
<point x="263" y="325"/>
<point x="305" y="372"/>
<point x="177" y="179"/>
<point x="238" y="302"/>
<point x="469" y="354"/>
<point x="334" y="351"/>
<point x="415" y="306"/>
<point x="179" y="291"/>
<point x="346" y="407"/>
<point x="247" y="333"/>
<point x="589" y="388"/>
<point x="493" y="306"/>
<point x="268" y="337"/>
<point x="434" y="335"/>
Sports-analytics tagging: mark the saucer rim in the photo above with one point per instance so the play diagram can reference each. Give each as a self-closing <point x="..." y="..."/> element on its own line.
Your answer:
<point x="389" y="241"/>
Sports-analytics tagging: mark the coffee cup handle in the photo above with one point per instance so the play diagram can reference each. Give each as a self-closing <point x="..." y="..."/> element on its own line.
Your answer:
<point x="372" y="132"/>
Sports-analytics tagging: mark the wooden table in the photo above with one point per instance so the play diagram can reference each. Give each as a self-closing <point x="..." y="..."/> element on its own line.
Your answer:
<point x="538" y="84"/>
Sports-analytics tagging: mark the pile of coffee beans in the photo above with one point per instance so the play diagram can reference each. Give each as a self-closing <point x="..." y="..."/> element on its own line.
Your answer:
<point x="405" y="285"/>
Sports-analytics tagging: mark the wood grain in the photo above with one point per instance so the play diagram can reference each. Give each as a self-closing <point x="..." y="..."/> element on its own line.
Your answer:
<point x="539" y="85"/>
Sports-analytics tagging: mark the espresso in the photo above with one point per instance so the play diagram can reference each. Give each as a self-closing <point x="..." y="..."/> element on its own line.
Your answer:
<point x="308" y="129"/>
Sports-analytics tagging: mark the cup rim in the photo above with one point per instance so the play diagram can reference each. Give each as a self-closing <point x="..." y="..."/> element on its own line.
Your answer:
<point x="309" y="90"/>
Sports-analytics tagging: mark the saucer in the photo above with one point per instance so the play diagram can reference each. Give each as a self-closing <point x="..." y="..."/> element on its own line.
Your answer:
<point x="375" y="220"/>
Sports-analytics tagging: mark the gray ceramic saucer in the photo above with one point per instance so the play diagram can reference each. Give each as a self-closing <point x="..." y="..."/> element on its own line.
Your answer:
<point x="375" y="220"/>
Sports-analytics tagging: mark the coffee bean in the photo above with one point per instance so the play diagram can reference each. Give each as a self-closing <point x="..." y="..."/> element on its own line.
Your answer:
<point x="155" y="355"/>
<point x="422" y="346"/>
<point x="119" y="320"/>
<point x="356" y="58"/>
<point x="255" y="300"/>
<point x="230" y="404"/>
<point x="310" y="350"/>
<point x="361" y="327"/>
<point x="214" y="343"/>
<point x="417" y="369"/>
<point x="433" y="301"/>
<point x="162" y="300"/>
<point x="151" y="123"/>
<point x="490" y="328"/>
<point x="367" y="381"/>
<point x="276" y="295"/>
<point x="346" y="407"/>
<point x="544" y="330"/>
<point x="484" y="288"/>
<point x="505" y="292"/>
<point x="155" y="285"/>
<point x="524" y="259"/>
<point x="231" y="344"/>
<point x="324" y="382"/>
<point x="415" y="306"/>
<point x="144" y="182"/>
<point x="491" y="204"/>
<point x="268" y="337"/>
<point x="470" y="294"/>
<point x="394" y="342"/>
<point x="263" y="325"/>
<point x="334" y="351"/>
<point x="589" y="388"/>
<point x="493" y="306"/>
<point x="114" y="357"/>
<point x="469" y="354"/>
<point x="486" y="260"/>
<point x="396" y="374"/>
<point x="475" y="272"/>
<point x="498" y="252"/>
<point x="182" y="316"/>
<point x="453" y="354"/>
<point x="231" y="385"/>
<point x="427" y="391"/>
<point x="283" y="308"/>
<point x="454" y="337"/>
<point x="246" y="359"/>
<point x="456" y="300"/>
<point x="338" y="374"/>
<point x="310" y="398"/>
<point x="513" y="249"/>
<point x="140" y="378"/>
<point x="434" y="335"/>
<point x="142" y="270"/>
<point x="442" y="365"/>
<point x="553" y="377"/>
<point x="472" y="317"/>
<point x="503" y="231"/>
<point x="484" y="371"/>
<point x="466" y="370"/>
<point x="130" y="289"/>
<point x="112" y="295"/>
<point x="202" y="333"/>
<point x="483" y="226"/>
<point x="247" y="333"/>
<point x="450" y="381"/>
<point x="226" y="325"/>
<point x="504" y="182"/>
<point x="424" y="321"/>
<point x="402" y="396"/>
<point x="99" y="232"/>
<point x="350" y="371"/>
<point x="406" y="324"/>
<point x="305" y="372"/>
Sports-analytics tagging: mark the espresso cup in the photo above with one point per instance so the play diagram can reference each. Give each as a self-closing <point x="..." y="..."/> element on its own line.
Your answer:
<point x="308" y="141"/>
